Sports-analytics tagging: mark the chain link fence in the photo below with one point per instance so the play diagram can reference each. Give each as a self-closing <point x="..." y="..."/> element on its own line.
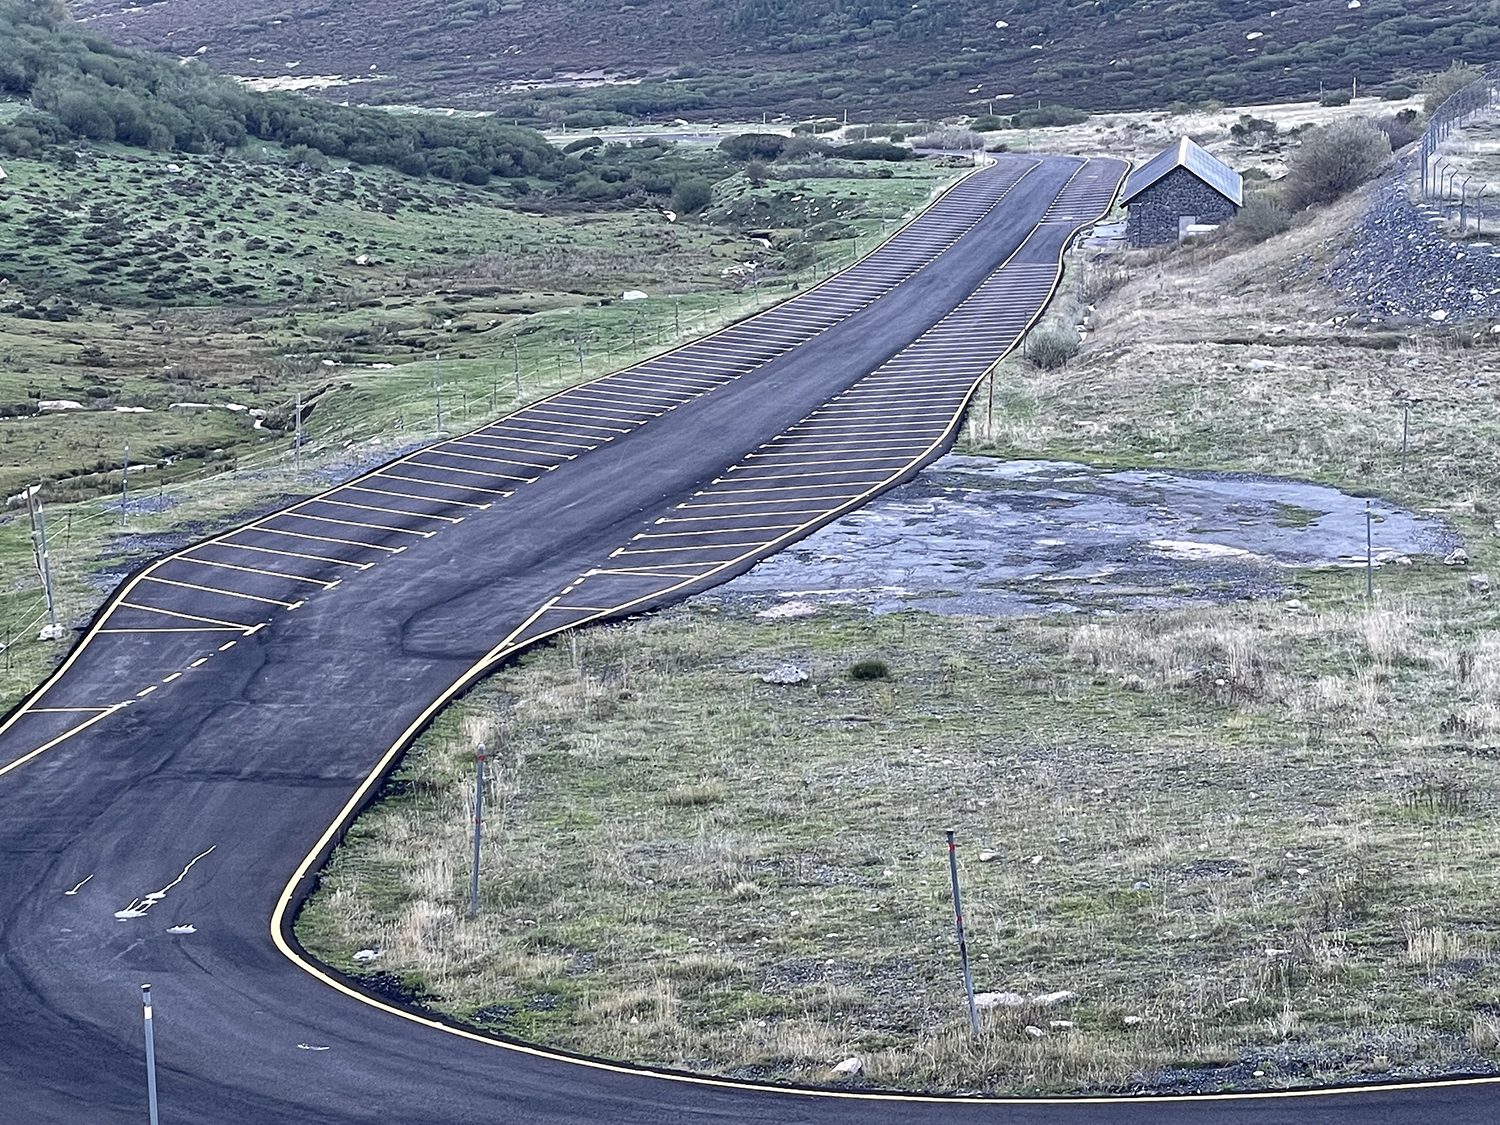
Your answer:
<point x="1442" y="173"/>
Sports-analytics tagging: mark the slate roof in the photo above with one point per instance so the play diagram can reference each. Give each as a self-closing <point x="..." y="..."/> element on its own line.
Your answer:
<point x="1185" y="154"/>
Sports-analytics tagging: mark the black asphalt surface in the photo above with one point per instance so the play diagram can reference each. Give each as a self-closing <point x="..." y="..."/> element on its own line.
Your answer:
<point x="216" y="758"/>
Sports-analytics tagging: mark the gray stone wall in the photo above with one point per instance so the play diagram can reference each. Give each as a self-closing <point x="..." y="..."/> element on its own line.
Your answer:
<point x="1154" y="214"/>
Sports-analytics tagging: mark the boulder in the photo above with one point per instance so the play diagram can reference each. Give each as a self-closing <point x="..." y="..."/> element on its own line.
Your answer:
<point x="1053" y="999"/>
<point x="848" y="1068"/>
<point x="1479" y="584"/>
<point x="785" y="674"/>
<point x="1459" y="557"/>
<point x="986" y="1000"/>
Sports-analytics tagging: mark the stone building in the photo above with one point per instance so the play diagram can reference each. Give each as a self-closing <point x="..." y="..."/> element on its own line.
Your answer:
<point x="1177" y="189"/>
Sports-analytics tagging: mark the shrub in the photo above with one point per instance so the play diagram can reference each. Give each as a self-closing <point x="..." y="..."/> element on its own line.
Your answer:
<point x="1336" y="97"/>
<point x="691" y="196"/>
<point x="949" y="137"/>
<point x="1443" y="85"/>
<point x="871" y="150"/>
<point x="987" y="123"/>
<point x="1333" y="160"/>
<point x="581" y="144"/>
<point x="753" y="146"/>
<point x="1400" y="128"/>
<point x="1048" y="115"/>
<point x="1263" y="216"/>
<point x="1051" y="348"/>
<point x="1397" y="92"/>
<point x="870" y="670"/>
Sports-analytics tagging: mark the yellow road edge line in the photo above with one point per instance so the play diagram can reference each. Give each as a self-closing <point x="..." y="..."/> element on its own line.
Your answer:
<point x="280" y="920"/>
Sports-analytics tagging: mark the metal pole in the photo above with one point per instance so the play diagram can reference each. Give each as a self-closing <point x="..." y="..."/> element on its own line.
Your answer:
<point x="963" y="946"/>
<point x="298" y="446"/>
<point x="1369" y="554"/>
<point x="677" y="314"/>
<point x="437" y="358"/>
<point x="150" y="1053"/>
<point x="516" y="348"/>
<point x="478" y="829"/>
<point x="43" y="559"/>
<point x="1405" y="425"/>
<point x="125" y="484"/>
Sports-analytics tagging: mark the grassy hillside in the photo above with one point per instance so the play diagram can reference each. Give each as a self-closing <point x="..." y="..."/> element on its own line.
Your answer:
<point x="531" y="59"/>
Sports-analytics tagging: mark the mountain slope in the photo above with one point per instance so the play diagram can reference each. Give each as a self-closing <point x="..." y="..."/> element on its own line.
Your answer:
<point x="871" y="57"/>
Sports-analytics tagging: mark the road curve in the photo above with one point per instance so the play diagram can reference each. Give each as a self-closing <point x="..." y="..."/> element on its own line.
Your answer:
<point x="241" y="696"/>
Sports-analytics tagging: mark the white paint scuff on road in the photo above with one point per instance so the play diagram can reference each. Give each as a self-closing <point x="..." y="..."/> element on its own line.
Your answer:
<point x="138" y="907"/>
<point x="78" y="888"/>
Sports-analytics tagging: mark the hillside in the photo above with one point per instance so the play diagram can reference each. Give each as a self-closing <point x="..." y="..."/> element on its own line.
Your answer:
<point x="540" y="59"/>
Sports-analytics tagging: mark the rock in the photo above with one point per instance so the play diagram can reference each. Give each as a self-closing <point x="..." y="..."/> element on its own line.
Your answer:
<point x="367" y="955"/>
<point x="987" y="1000"/>
<point x="788" y="609"/>
<point x="49" y="405"/>
<point x="1053" y="999"/>
<point x="988" y="857"/>
<point x="1133" y="1021"/>
<point x="633" y="295"/>
<point x="1459" y="557"/>
<point x="1034" y="1031"/>
<point x="1479" y="583"/>
<point x="849" y="1067"/>
<point x="1060" y="1025"/>
<point x="785" y="674"/>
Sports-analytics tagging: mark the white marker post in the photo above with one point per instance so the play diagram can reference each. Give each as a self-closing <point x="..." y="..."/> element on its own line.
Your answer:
<point x="963" y="946"/>
<point x="437" y="359"/>
<point x="125" y="485"/>
<point x="1369" y="553"/>
<point x="478" y="830"/>
<point x="150" y="1053"/>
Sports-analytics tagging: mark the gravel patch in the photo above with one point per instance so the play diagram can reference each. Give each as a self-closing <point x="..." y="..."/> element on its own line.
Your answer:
<point x="1399" y="266"/>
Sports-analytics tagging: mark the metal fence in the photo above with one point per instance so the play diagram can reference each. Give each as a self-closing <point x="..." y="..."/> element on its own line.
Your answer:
<point x="1440" y="174"/>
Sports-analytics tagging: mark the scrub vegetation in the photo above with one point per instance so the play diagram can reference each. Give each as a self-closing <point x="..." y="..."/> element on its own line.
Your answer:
<point x="586" y="63"/>
<point x="172" y="306"/>
<point x="1256" y="840"/>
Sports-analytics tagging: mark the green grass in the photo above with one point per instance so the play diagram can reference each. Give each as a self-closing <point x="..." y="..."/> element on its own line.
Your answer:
<point x="518" y="304"/>
<point x="1257" y="840"/>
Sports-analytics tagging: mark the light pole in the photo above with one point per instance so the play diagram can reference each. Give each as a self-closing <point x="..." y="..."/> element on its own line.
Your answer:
<point x="150" y="1053"/>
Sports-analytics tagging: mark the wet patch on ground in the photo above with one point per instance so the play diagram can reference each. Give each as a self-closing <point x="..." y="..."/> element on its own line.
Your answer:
<point x="973" y="535"/>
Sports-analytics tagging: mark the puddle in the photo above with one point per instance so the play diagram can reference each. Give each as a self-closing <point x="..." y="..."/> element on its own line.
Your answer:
<point x="972" y="535"/>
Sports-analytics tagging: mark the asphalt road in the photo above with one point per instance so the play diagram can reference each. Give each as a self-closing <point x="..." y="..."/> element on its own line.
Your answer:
<point x="216" y="754"/>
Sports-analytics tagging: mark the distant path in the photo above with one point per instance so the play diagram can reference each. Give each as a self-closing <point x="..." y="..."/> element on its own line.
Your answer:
<point x="238" y="697"/>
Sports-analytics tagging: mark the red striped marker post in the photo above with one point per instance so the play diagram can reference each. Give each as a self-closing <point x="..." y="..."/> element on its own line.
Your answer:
<point x="963" y="946"/>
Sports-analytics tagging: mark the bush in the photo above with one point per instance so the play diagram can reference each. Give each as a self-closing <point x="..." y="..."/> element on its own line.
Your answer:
<point x="1048" y="115"/>
<point x="1333" y="160"/>
<point x="1263" y="216"/>
<point x="1400" y="128"/>
<point x="1336" y="97"/>
<point x="691" y="196"/>
<point x="950" y="138"/>
<point x="581" y="145"/>
<point x="987" y="123"/>
<point x="1443" y="85"/>
<point x="871" y="150"/>
<point x="1397" y="92"/>
<point x="753" y="146"/>
<point x="870" y="670"/>
<point x="1051" y="348"/>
